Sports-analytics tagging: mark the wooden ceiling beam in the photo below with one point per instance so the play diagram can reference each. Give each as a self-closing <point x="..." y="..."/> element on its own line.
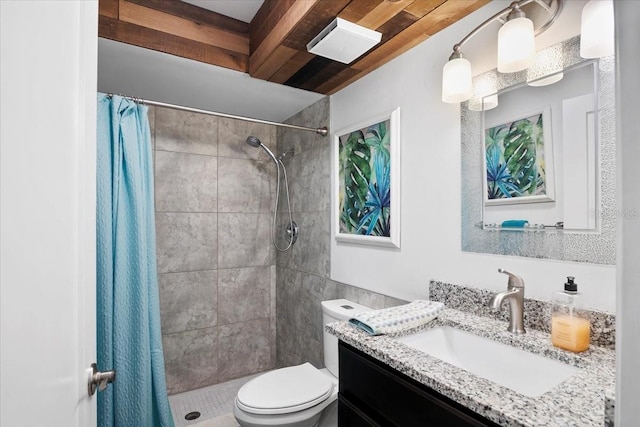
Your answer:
<point x="108" y="8"/>
<point x="195" y="14"/>
<point x="278" y="34"/>
<point x="382" y="13"/>
<point x="181" y="27"/>
<point x="420" y="8"/>
<point x="137" y="35"/>
<point x="358" y="9"/>
<point x="295" y="63"/>
<point x="267" y="17"/>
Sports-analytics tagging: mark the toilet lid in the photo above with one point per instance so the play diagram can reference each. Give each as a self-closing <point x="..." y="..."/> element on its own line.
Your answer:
<point x="285" y="390"/>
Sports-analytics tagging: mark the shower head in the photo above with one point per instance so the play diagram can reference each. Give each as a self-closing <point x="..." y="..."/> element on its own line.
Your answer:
<point x="255" y="142"/>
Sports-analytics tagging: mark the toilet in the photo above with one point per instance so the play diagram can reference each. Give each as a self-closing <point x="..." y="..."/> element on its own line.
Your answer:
<point x="298" y="396"/>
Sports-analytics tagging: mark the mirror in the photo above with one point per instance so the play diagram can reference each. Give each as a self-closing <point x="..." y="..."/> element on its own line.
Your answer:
<point x="541" y="161"/>
<point x="538" y="170"/>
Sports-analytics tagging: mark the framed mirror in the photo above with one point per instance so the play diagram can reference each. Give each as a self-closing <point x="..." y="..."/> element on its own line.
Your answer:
<point x="538" y="160"/>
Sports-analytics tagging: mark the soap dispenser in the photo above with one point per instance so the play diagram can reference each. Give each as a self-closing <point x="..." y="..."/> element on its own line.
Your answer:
<point x="570" y="326"/>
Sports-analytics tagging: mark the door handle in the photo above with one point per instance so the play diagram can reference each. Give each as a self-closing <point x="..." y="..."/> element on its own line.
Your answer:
<point x="99" y="380"/>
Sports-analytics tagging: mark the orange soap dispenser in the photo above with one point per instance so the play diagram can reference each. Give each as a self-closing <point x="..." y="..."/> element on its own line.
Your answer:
<point x="570" y="326"/>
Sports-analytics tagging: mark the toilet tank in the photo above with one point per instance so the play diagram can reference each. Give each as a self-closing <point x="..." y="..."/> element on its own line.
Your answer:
<point x="334" y="311"/>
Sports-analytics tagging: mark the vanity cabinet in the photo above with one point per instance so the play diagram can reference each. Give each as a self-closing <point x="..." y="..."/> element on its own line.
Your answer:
<point x="373" y="394"/>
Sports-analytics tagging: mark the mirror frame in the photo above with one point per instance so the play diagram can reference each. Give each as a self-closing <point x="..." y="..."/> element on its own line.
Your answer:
<point x="596" y="246"/>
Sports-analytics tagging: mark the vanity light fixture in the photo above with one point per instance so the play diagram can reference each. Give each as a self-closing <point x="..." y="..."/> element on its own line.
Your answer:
<point x="456" y="78"/>
<point x="521" y="21"/>
<point x="597" y="29"/>
<point x="516" y="42"/>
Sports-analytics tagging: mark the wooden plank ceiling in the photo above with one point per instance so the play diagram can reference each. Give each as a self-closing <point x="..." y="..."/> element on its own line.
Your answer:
<point x="273" y="46"/>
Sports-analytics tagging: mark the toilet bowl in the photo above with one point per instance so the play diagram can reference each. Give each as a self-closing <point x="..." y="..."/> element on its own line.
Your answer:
<point x="302" y="395"/>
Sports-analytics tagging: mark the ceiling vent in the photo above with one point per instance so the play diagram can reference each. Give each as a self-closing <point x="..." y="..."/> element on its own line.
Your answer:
<point x="343" y="41"/>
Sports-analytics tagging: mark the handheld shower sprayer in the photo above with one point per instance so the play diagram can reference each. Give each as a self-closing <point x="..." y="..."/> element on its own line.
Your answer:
<point x="292" y="228"/>
<point x="255" y="142"/>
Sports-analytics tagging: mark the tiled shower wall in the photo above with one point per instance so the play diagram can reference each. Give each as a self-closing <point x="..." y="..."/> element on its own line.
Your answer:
<point x="216" y="265"/>
<point x="302" y="279"/>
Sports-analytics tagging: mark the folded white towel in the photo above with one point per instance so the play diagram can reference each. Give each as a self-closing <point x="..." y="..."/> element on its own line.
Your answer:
<point x="397" y="319"/>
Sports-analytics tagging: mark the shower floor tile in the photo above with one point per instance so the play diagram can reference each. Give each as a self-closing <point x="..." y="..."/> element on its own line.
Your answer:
<point x="215" y="404"/>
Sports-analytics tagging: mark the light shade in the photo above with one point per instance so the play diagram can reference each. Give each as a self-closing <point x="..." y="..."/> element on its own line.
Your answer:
<point x="547" y="68"/>
<point x="456" y="81"/>
<point x="516" y="45"/>
<point x="485" y="88"/>
<point x="597" y="29"/>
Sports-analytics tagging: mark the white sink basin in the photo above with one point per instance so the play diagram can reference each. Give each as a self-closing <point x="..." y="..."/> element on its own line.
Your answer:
<point x="527" y="373"/>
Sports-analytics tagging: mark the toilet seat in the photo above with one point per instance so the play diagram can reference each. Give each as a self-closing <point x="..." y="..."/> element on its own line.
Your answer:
<point x="285" y="390"/>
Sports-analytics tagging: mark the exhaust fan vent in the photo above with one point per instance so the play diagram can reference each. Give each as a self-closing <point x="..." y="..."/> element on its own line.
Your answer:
<point x="343" y="41"/>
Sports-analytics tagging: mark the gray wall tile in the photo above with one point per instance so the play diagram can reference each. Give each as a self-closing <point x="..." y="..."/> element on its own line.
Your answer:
<point x="311" y="253"/>
<point x="244" y="240"/>
<point x="244" y="348"/>
<point x="243" y="294"/>
<point x="313" y="291"/>
<point x="188" y="300"/>
<point x="294" y="347"/>
<point x="272" y="290"/>
<point x="186" y="132"/>
<point x="185" y="182"/>
<point x="200" y="304"/>
<point x="316" y="115"/>
<point x="232" y="136"/>
<point x="361" y="296"/>
<point x="186" y="241"/>
<point x="310" y="182"/>
<point x="190" y="359"/>
<point x="151" y="115"/>
<point x="245" y="185"/>
<point x="273" y="341"/>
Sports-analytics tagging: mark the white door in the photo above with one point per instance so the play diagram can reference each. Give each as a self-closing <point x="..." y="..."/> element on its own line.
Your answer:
<point x="47" y="211"/>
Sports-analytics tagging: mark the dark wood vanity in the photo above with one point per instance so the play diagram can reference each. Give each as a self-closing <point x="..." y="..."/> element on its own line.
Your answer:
<point x="373" y="394"/>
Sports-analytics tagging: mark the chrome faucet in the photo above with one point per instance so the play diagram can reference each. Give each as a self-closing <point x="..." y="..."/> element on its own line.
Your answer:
<point x="515" y="295"/>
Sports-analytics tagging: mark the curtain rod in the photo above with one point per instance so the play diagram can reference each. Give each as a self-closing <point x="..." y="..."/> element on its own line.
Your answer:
<point x="321" y="131"/>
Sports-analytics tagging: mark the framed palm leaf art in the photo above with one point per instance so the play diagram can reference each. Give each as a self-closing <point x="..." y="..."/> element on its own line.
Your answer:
<point x="366" y="177"/>
<point x="519" y="160"/>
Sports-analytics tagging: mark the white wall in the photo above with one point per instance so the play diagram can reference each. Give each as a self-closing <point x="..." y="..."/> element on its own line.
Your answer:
<point x="430" y="240"/>
<point x="47" y="211"/>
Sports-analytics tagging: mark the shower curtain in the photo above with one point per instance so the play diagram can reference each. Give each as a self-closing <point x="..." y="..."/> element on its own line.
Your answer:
<point x="128" y="315"/>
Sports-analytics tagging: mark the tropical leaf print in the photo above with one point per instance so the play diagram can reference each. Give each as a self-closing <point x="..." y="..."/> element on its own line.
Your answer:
<point x="365" y="185"/>
<point x="355" y="171"/>
<point x="377" y="208"/>
<point x="515" y="159"/>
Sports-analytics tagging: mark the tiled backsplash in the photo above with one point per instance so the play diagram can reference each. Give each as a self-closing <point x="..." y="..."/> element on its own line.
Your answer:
<point x="537" y="313"/>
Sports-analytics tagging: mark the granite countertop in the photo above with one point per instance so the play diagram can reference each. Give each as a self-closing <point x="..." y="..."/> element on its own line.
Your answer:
<point x="579" y="401"/>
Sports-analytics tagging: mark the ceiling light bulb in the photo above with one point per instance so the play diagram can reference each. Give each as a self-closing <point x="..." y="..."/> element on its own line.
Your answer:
<point x="456" y="80"/>
<point x="516" y="45"/>
<point x="597" y="29"/>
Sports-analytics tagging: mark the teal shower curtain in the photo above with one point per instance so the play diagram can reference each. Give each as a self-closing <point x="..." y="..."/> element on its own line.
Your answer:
<point x="128" y="315"/>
